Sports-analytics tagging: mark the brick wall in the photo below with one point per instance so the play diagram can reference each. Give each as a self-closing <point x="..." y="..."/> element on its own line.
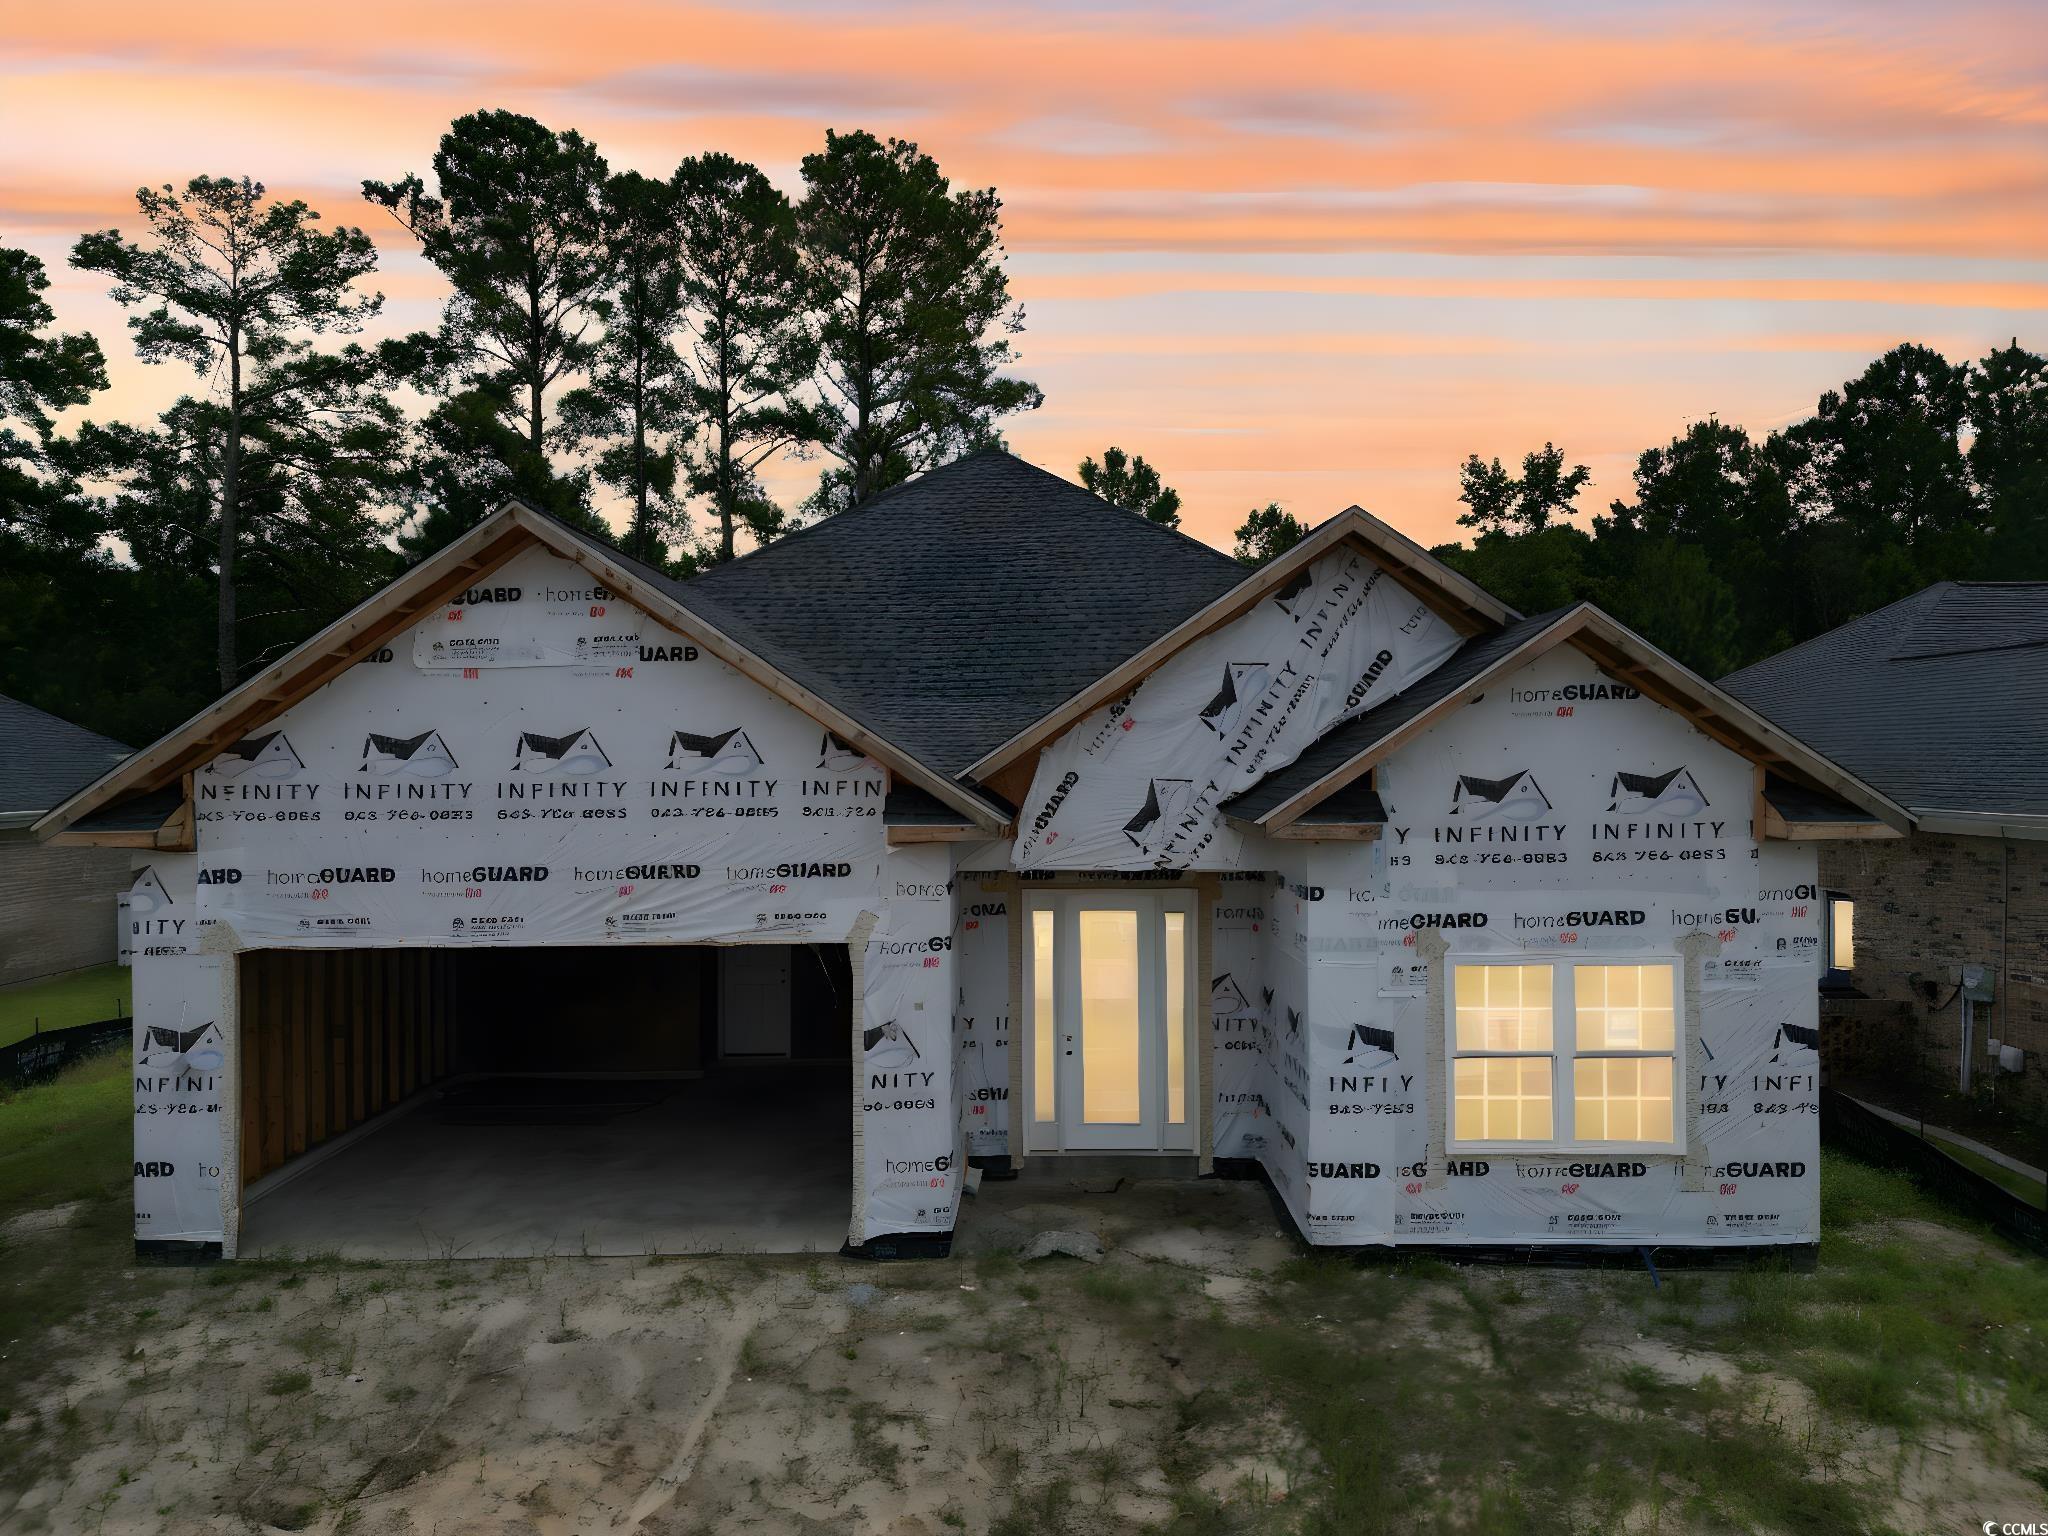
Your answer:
<point x="56" y="906"/>
<point x="1926" y="904"/>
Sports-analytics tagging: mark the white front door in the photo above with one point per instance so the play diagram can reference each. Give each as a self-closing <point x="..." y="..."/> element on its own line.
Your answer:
<point x="1109" y="1039"/>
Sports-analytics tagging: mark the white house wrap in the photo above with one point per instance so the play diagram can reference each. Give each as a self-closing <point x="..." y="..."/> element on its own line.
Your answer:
<point x="1140" y="783"/>
<point x="1463" y="928"/>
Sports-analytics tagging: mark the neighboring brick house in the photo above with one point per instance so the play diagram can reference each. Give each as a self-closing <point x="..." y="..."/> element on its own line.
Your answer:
<point x="57" y="904"/>
<point x="1941" y="701"/>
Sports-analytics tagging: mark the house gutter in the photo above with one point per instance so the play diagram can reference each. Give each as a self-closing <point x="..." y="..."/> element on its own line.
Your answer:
<point x="1980" y="823"/>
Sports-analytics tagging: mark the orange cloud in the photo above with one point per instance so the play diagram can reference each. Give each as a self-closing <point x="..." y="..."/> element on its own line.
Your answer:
<point x="1287" y="249"/>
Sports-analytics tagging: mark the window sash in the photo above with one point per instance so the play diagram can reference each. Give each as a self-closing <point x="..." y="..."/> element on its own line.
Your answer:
<point x="1624" y="1100"/>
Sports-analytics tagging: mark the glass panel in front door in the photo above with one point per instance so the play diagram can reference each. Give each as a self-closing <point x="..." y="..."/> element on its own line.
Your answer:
<point x="1112" y="1033"/>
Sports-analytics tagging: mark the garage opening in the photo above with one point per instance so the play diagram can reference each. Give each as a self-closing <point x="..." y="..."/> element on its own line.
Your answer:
<point x="521" y="1102"/>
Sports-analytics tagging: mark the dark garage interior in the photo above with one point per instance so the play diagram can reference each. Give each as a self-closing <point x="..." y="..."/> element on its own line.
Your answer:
<point x="423" y="1103"/>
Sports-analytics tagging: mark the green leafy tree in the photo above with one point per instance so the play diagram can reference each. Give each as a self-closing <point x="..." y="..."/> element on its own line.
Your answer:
<point x="752" y="349"/>
<point x="316" y="478"/>
<point x="2008" y="458"/>
<point x="1884" y="453"/>
<point x="40" y="373"/>
<point x="1715" y="489"/>
<point x="82" y="635"/>
<point x="1732" y="548"/>
<point x="913" y="314"/>
<point x="635" y="409"/>
<point x="466" y="458"/>
<point x="1880" y="483"/>
<point x="1551" y="567"/>
<point x="1497" y="501"/>
<point x="518" y="229"/>
<point x="1132" y="484"/>
<point x="1266" y="534"/>
<point x="1670" y="593"/>
<point x="236" y="286"/>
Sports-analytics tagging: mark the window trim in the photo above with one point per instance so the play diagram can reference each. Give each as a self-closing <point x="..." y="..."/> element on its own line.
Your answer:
<point x="1564" y="1051"/>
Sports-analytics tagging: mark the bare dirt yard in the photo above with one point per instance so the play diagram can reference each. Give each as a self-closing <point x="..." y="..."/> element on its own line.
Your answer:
<point x="1207" y="1376"/>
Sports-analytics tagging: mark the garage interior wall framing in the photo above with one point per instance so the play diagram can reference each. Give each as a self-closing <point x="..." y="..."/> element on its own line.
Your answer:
<point x="332" y="1038"/>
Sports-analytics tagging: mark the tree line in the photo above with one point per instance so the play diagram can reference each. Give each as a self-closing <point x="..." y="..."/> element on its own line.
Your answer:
<point x="608" y="337"/>
<point x="1730" y="548"/>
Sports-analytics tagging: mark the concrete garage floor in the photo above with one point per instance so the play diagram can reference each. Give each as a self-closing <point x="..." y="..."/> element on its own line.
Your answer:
<point x="746" y="1159"/>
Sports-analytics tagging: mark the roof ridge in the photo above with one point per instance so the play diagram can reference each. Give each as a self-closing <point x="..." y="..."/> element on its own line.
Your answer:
<point x="1062" y="481"/>
<point x="832" y="518"/>
<point x="1223" y="557"/>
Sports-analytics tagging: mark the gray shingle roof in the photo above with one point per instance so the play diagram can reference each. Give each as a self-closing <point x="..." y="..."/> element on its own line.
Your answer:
<point x="1940" y="700"/>
<point x="43" y="759"/>
<point x="951" y="612"/>
<point x="1339" y="745"/>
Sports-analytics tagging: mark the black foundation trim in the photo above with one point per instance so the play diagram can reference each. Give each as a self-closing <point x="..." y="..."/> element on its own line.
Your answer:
<point x="174" y="1250"/>
<point x="901" y="1245"/>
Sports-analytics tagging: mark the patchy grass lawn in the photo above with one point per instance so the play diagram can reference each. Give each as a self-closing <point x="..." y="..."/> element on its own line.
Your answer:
<point x="68" y="1139"/>
<point x="76" y="997"/>
<point x="1208" y="1377"/>
<point x="2033" y="1191"/>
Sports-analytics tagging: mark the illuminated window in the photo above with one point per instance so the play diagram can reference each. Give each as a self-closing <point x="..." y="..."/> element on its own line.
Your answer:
<point x="1176" y="937"/>
<point x="1841" y="933"/>
<point x="1043" y="1077"/>
<point x="1112" y="1031"/>
<point x="1497" y="1096"/>
<point x="1565" y="1055"/>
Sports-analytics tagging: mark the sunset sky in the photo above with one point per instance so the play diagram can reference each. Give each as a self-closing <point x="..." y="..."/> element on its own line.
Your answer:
<point x="1315" y="257"/>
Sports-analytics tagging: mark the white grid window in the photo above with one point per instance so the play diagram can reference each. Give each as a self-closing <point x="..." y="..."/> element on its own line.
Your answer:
<point x="1503" y="1081"/>
<point x="1571" y="1055"/>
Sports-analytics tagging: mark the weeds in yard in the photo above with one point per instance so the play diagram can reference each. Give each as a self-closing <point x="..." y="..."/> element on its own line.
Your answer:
<point x="1113" y="1287"/>
<point x="997" y="1265"/>
<point x="1046" y="1511"/>
<point x="563" y="1333"/>
<point x="694" y="1285"/>
<point x="754" y="1359"/>
<point x="872" y="1446"/>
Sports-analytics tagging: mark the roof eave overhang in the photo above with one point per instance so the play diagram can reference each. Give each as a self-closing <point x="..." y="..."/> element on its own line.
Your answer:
<point x="1629" y="658"/>
<point x="1464" y="604"/>
<point x="1311" y="831"/>
<point x="512" y="528"/>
